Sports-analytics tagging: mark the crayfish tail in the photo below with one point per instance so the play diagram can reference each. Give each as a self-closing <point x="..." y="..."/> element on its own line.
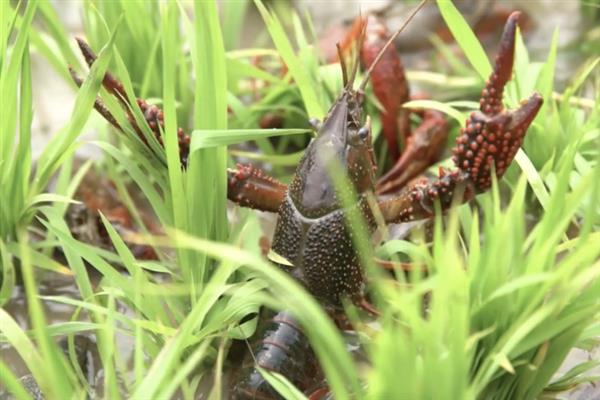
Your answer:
<point x="284" y="349"/>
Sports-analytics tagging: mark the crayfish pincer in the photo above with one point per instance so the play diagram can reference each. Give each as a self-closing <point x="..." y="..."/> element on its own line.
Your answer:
<point x="312" y="240"/>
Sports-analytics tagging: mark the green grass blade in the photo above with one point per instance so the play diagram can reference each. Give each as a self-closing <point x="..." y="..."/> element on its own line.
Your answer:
<point x="301" y="77"/>
<point x="58" y="32"/>
<point x="54" y="381"/>
<point x="436" y="105"/>
<point x="141" y="179"/>
<point x="62" y="144"/>
<point x="15" y="77"/>
<point x="465" y="38"/>
<point x="12" y="383"/>
<point x="233" y="22"/>
<point x="9" y="81"/>
<point x="207" y="167"/>
<point x="168" y="46"/>
<point x="7" y="274"/>
<point x="533" y="177"/>
<point x="282" y="385"/>
<point x="202" y="139"/>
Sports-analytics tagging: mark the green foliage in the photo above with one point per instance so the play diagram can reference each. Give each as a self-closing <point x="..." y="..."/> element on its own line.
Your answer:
<point x="305" y="80"/>
<point x="504" y="299"/>
<point x="465" y="38"/>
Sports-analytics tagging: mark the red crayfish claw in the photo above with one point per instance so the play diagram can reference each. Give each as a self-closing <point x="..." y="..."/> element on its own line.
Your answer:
<point x="490" y="139"/>
<point x="494" y="134"/>
<point x="152" y="114"/>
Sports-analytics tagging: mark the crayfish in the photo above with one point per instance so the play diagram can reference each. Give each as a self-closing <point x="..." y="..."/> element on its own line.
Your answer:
<point x="312" y="239"/>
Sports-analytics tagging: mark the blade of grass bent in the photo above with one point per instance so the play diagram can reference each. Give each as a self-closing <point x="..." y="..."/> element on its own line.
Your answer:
<point x="460" y="117"/>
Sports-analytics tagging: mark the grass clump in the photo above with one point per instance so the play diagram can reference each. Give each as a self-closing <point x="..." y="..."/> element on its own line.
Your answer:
<point x="507" y="297"/>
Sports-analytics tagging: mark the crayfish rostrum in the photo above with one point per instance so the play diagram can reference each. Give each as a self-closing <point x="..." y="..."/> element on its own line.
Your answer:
<point x="312" y="239"/>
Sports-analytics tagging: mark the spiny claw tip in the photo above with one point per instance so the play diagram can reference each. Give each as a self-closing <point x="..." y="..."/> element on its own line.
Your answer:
<point x="514" y="17"/>
<point x="524" y="115"/>
<point x="491" y="96"/>
<point x="83" y="46"/>
<point x="86" y="50"/>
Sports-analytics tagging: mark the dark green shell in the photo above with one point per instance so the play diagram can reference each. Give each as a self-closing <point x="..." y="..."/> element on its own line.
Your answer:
<point x="321" y="251"/>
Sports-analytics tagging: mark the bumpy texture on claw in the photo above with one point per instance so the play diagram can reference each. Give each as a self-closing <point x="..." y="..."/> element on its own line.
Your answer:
<point x="493" y="140"/>
<point x="418" y="200"/>
<point x="491" y="96"/>
<point x="489" y="141"/>
<point x="493" y="135"/>
<point x="250" y="187"/>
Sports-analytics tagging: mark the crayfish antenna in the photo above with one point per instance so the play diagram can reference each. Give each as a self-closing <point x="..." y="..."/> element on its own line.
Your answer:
<point x="359" y="44"/>
<point x="342" y="65"/>
<point x="365" y="80"/>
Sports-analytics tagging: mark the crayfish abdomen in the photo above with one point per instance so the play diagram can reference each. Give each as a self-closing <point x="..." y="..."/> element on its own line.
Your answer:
<point x="283" y="348"/>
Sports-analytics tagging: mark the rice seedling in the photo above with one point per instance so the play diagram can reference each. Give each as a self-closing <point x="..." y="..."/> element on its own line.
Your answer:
<point x="512" y="282"/>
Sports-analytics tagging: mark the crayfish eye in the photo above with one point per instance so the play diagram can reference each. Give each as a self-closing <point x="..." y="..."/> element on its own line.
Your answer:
<point x="363" y="133"/>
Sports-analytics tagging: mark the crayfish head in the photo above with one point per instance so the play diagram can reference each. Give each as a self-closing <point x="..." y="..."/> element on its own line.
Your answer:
<point x="343" y="139"/>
